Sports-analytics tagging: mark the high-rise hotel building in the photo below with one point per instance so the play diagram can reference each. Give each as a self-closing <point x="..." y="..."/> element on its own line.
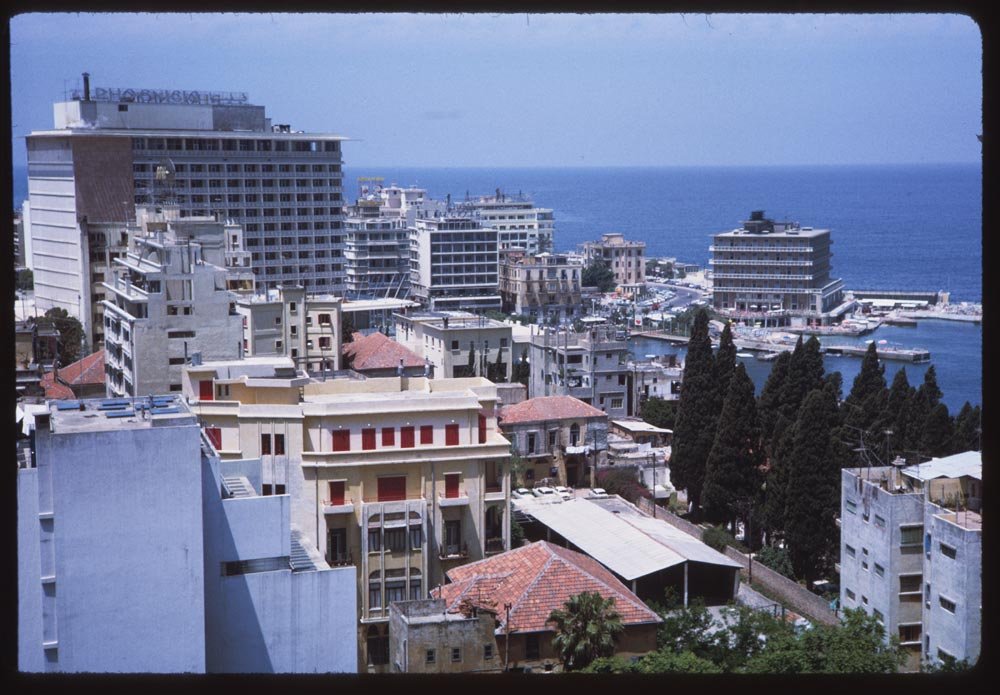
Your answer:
<point x="775" y="273"/>
<point x="211" y="153"/>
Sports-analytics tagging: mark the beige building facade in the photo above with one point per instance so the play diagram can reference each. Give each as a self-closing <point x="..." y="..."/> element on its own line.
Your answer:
<point x="542" y="285"/>
<point x="626" y="259"/>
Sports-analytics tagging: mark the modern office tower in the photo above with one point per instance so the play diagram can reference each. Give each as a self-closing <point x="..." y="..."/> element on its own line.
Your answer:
<point x="400" y="478"/>
<point x="139" y="551"/>
<point x="212" y="153"/>
<point x="376" y="251"/>
<point x="458" y="343"/>
<point x="626" y="259"/>
<point x="591" y="366"/>
<point x="519" y="223"/>
<point x="167" y="301"/>
<point x="544" y="286"/>
<point x="911" y="553"/>
<point x="453" y="264"/>
<point x="775" y="273"/>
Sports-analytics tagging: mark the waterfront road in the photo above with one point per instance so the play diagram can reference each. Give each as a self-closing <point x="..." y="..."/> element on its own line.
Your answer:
<point x="685" y="295"/>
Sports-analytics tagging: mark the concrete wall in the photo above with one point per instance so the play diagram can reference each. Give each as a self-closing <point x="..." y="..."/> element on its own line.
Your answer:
<point x="30" y="655"/>
<point x="959" y="580"/>
<point x="410" y="641"/>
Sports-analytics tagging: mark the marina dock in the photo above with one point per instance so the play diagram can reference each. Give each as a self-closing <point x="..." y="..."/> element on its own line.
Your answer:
<point x="884" y="353"/>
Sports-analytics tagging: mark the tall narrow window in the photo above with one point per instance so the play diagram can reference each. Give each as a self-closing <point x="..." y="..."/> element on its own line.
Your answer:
<point x="482" y="428"/>
<point x="406" y="437"/>
<point x="342" y="440"/>
<point x="368" y="438"/>
<point x="205" y="390"/>
<point x="451" y="485"/>
<point x="388" y="436"/>
<point x="451" y="435"/>
<point x="214" y="435"/>
<point x="336" y="492"/>
<point x="265" y="445"/>
<point x="279" y="445"/>
<point x="427" y="434"/>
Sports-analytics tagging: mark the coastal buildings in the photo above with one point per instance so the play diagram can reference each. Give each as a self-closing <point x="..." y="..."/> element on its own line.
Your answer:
<point x="776" y="273"/>
<point x="399" y="478"/>
<point x="458" y="343"/>
<point x="543" y="286"/>
<point x="375" y="355"/>
<point x="426" y="637"/>
<point x="911" y="553"/>
<point x="213" y="153"/>
<point x="625" y="258"/>
<point x="591" y="365"/>
<point x="167" y="301"/>
<point x="376" y="250"/>
<point x="519" y="223"/>
<point x="453" y="264"/>
<point x="535" y="580"/>
<point x="558" y="438"/>
<point x="655" y="378"/>
<point x="140" y="551"/>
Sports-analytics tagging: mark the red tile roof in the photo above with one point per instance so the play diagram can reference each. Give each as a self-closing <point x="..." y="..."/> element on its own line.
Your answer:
<point x="378" y="351"/>
<point x="537" y="579"/>
<point x="547" y="408"/>
<point x="88" y="371"/>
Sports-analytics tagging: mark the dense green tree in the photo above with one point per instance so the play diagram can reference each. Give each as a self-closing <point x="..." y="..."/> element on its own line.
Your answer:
<point x="498" y="370"/>
<point x="813" y="493"/>
<point x="777" y="559"/>
<point x="968" y="424"/>
<point x="747" y="633"/>
<point x="471" y="366"/>
<point x="669" y="662"/>
<point x="598" y="274"/>
<point x="521" y="371"/>
<point x="866" y="402"/>
<point x="70" y="334"/>
<point x="622" y="481"/>
<point x="25" y="280"/>
<point x="587" y="627"/>
<point x="926" y="397"/>
<point x="659" y="412"/>
<point x="347" y="329"/>
<point x="776" y="478"/>
<point x="929" y="388"/>
<point x="732" y="472"/>
<point x="938" y="432"/>
<point x="768" y="406"/>
<point x="894" y="424"/>
<point x="694" y="430"/>
<point x="723" y="365"/>
<point x="689" y="628"/>
<point x="805" y="373"/>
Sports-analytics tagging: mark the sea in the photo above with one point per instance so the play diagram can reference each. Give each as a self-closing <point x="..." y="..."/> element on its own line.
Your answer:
<point x="898" y="227"/>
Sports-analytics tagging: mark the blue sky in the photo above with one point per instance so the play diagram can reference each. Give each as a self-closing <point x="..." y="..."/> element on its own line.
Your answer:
<point x="546" y="90"/>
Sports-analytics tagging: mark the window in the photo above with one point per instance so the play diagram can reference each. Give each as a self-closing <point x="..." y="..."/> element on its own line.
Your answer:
<point x="378" y="644"/>
<point x="531" y="650"/>
<point x="552" y="439"/>
<point x="336" y="492"/>
<point x="416" y="537"/>
<point x="911" y="535"/>
<point x="487" y="652"/>
<point x="574" y="434"/>
<point x="368" y="438"/>
<point x="430" y="657"/>
<point x="205" y="390"/>
<point x="851" y="506"/>
<point x="415" y="592"/>
<point x="482" y="428"/>
<point x="337" y="545"/>
<point x="621" y="381"/>
<point x="456" y="655"/>
<point x="879" y="570"/>
<point x="849" y="594"/>
<point x="214" y="435"/>
<point x="392" y="488"/>
<point x="451" y="435"/>
<point x="947" y="604"/>
<point x="878" y="615"/>
<point x="617" y="402"/>
<point x="395" y="540"/>
<point x="406" y="437"/>
<point x="864" y="599"/>
<point x="279" y="445"/>
<point x="427" y="434"/>
<point x="531" y="442"/>
<point x="451" y="485"/>
<point x="910" y="633"/>
<point x="388" y="436"/>
<point x="452" y="536"/>
<point x="850" y="550"/>
<point x="265" y="445"/>
<point x="947" y="550"/>
<point x="342" y="440"/>
<point x="324" y="319"/>
<point x="879" y="521"/>
<point x="910" y="582"/>
<point x="374" y="540"/>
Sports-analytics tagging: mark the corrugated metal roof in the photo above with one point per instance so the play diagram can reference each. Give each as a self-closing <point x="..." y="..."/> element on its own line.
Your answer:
<point x="966" y="464"/>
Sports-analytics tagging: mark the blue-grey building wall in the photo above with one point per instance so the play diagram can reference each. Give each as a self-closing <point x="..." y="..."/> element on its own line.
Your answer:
<point x="30" y="656"/>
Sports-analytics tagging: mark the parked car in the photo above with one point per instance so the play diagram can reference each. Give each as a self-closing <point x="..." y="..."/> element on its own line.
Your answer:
<point x="564" y="492"/>
<point x="521" y="492"/>
<point x="543" y="492"/>
<point x="598" y="492"/>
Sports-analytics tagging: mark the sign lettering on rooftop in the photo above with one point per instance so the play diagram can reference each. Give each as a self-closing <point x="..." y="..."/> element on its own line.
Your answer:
<point x="169" y="96"/>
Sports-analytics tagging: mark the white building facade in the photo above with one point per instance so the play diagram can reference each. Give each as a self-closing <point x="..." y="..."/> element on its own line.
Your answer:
<point x="454" y="264"/>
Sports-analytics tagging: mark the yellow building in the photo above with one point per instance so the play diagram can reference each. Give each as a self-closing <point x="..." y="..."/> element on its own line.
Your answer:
<point x="403" y="478"/>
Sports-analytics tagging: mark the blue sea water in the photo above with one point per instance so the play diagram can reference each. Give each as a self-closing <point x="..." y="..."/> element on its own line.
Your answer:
<point x="903" y="227"/>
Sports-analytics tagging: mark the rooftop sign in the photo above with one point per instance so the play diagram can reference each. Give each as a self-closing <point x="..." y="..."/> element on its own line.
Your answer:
<point x="168" y="96"/>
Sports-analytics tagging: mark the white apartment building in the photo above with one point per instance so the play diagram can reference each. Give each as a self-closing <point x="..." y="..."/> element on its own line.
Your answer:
<point x="911" y="553"/>
<point x="519" y="223"/>
<point x="453" y="264"/>
<point x="447" y="338"/>
<point x="139" y="551"/>
<point x="376" y="251"/>
<point x="625" y="258"/>
<point x="212" y="153"/>
<point x="399" y="478"/>
<point x="167" y="301"/>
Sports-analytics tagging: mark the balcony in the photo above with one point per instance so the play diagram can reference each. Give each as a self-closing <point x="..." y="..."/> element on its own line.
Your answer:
<point x="494" y="546"/>
<point x="454" y="552"/>
<point x="494" y="492"/>
<point x="345" y="506"/>
<point x="458" y="500"/>
<point x="340" y="560"/>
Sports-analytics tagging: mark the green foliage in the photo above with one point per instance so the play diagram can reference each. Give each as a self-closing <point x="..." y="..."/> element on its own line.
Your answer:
<point x="610" y="664"/>
<point x="598" y="274"/>
<point x="723" y="365"/>
<point x="25" y="280"/>
<point x="732" y="472"/>
<point x="70" y="333"/>
<point x="497" y="371"/>
<point x="517" y="467"/>
<point x="718" y="538"/>
<point x="471" y="366"/>
<point x="521" y="371"/>
<point x="587" y="627"/>
<point x="947" y="664"/>
<point x="968" y="424"/>
<point x="622" y="481"/>
<point x="347" y="329"/>
<point x="937" y="433"/>
<point x="659" y="412"/>
<point x="768" y="406"/>
<point x="777" y="559"/>
<point x="668" y="662"/>
<point x="687" y="629"/>
<point x="516" y="533"/>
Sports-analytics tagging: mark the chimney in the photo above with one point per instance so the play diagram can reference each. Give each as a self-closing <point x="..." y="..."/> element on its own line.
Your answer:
<point x="86" y="86"/>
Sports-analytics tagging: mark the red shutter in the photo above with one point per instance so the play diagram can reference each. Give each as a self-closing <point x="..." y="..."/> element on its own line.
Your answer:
<point x="406" y="437"/>
<point x="451" y="435"/>
<point x="205" y="390"/>
<point x="337" y="492"/>
<point x="392" y="489"/>
<point x="451" y="484"/>
<point x="482" y="429"/>
<point x="368" y="438"/>
<point x="342" y="440"/>
<point x="427" y="434"/>
<point x="215" y="436"/>
<point x="388" y="436"/>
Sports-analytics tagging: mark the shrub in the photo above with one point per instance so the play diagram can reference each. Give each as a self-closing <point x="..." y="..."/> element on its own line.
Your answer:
<point x="718" y="538"/>
<point x="623" y="482"/>
<point x="777" y="559"/>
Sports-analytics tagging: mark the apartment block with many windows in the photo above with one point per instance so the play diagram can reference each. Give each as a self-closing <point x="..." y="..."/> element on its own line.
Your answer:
<point x="458" y="343"/>
<point x="625" y="258"/>
<point x="544" y="286"/>
<point x="520" y="224"/>
<point x="453" y="264"/>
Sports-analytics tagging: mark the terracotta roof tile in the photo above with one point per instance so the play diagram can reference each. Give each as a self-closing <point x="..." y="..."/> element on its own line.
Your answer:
<point x="378" y="351"/>
<point x="88" y="371"/>
<point x="537" y="579"/>
<point x="547" y="408"/>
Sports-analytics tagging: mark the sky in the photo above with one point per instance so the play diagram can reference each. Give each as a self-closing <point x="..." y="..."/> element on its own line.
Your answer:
<point x="545" y="90"/>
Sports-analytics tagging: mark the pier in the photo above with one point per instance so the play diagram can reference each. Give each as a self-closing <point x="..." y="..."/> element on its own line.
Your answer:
<point x="884" y="353"/>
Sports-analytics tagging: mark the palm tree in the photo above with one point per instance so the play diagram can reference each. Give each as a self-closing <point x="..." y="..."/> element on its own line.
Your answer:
<point x="587" y="628"/>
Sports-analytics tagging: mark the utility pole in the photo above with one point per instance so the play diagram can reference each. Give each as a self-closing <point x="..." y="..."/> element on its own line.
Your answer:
<point x="506" y="629"/>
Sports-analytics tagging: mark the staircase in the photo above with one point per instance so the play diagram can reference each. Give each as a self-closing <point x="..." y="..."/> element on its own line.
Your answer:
<point x="238" y="486"/>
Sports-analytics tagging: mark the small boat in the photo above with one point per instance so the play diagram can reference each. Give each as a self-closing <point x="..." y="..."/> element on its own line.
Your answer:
<point x="744" y="354"/>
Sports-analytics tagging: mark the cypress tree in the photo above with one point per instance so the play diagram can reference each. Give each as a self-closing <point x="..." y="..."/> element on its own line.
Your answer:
<point x="769" y="404"/>
<point x="897" y="414"/>
<point x="776" y="479"/>
<point x="937" y="432"/>
<point x="866" y="401"/>
<point x="723" y="365"/>
<point x="694" y="430"/>
<point x="732" y="475"/>
<point x="930" y="387"/>
<point x="813" y="494"/>
<point x="926" y="397"/>
<point x="967" y="427"/>
<point x="805" y="373"/>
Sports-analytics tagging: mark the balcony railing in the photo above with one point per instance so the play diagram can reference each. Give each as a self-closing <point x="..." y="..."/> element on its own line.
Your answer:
<point x="494" y="545"/>
<point x="454" y="552"/>
<point x="344" y="560"/>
